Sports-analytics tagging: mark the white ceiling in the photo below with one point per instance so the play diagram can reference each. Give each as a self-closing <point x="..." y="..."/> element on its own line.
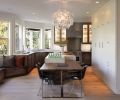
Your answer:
<point x="42" y="10"/>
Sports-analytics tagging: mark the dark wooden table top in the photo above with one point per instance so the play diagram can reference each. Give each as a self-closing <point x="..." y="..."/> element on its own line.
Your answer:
<point x="68" y="65"/>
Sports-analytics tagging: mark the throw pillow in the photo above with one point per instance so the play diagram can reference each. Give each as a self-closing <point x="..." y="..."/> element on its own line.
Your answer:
<point x="9" y="61"/>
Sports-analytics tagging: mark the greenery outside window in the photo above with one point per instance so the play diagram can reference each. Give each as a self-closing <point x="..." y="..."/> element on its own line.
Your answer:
<point x="17" y="36"/>
<point x="27" y="38"/>
<point x="4" y="37"/>
<point x="32" y="38"/>
<point x="36" y="35"/>
<point x="48" y="38"/>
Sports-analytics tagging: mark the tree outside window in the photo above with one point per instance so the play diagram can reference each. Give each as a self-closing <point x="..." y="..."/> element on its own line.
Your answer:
<point x="27" y="38"/>
<point x="36" y="39"/>
<point x="47" y="38"/>
<point x="17" y="37"/>
<point x="4" y="31"/>
<point x="32" y="38"/>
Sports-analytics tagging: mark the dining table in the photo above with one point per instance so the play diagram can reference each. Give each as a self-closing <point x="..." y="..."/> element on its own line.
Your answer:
<point x="69" y="65"/>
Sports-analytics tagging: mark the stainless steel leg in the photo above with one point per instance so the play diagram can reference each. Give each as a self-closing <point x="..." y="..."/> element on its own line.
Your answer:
<point x="81" y="87"/>
<point x="42" y="87"/>
<point x="61" y="84"/>
<point x="39" y="91"/>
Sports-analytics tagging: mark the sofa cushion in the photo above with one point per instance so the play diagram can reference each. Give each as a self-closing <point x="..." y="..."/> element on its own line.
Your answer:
<point x="19" y="61"/>
<point x="16" y="71"/>
<point x="9" y="61"/>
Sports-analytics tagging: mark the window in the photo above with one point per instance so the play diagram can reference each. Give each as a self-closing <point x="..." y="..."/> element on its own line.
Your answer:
<point x="36" y="39"/>
<point x="32" y="38"/>
<point x="17" y="36"/>
<point x="4" y="37"/>
<point x="47" y="38"/>
<point x="27" y="38"/>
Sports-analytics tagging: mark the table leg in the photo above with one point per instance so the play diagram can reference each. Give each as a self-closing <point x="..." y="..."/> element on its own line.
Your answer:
<point x="81" y="88"/>
<point x="42" y="87"/>
<point x="61" y="83"/>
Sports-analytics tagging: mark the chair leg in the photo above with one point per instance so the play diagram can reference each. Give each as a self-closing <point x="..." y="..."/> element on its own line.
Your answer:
<point x="72" y="86"/>
<point x="39" y="91"/>
<point x="41" y="88"/>
<point x="81" y="88"/>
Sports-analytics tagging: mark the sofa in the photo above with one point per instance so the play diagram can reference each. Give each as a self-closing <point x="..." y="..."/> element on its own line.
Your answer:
<point x="18" y="65"/>
<point x="2" y="75"/>
<point x="14" y="65"/>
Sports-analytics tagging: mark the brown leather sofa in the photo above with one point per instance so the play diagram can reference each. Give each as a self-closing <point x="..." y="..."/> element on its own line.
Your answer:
<point x="14" y="65"/>
<point x="17" y="65"/>
<point x="2" y="74"/>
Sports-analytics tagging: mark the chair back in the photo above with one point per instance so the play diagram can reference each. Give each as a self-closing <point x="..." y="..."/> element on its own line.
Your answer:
<point x="42" y="74"/>
<point x="38" y="68"/>
<point x="83" y="72"/>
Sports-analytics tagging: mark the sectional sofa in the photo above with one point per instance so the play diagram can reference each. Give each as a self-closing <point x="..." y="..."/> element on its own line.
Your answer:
<point x="21" y="64"/>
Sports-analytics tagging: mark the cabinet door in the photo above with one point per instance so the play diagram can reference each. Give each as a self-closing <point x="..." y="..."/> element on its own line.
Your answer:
<point x="87" y="33"/>
<point x="60" y="35"/>
<point x="86" y="58"/>
<point x="90" y="33"/>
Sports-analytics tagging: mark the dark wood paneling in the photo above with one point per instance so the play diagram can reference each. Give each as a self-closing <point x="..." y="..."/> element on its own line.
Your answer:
<point x="86" y="57"/>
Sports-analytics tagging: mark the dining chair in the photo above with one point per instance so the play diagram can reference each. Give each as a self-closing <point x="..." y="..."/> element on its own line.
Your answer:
<point x="78" y="75"/>
<point x="44" y="76"/>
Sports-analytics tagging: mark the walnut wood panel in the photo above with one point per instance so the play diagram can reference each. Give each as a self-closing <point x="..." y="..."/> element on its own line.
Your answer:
<point x="86" y="57"/>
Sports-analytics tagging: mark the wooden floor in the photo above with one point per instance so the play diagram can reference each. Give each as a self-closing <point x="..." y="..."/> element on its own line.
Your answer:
<point x="26" y="88"/>
<point x="93" y="86"/>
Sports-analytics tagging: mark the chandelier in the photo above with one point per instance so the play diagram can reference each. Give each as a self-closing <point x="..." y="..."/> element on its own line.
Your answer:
<point x="63" y="18"/>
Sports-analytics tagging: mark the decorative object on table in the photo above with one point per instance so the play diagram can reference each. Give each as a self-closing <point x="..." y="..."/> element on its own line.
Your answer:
<point x="55" y="58"/>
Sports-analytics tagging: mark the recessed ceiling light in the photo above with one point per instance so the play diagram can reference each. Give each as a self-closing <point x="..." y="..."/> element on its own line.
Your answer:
<point x="34" y="13"/>
<point x="87" y="12"/>
<point x="97" y="2"/>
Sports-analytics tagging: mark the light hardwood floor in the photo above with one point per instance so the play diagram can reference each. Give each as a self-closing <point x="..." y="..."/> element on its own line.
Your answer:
<point x="93" y="86"/>
<point x="26" y="88"/>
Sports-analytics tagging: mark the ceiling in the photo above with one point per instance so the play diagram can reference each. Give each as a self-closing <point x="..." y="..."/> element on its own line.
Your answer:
<point x="42" y="10"/>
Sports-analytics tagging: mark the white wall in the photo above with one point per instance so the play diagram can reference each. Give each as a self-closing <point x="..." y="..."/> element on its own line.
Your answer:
<point x="118" y="45"/>
<point x="104" y="43"/>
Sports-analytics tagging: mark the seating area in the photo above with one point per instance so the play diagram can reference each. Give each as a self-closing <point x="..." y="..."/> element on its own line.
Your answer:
<point x="59" y="39"/>
<point x="60" y="75"/>
<point x="19" y="65"/>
